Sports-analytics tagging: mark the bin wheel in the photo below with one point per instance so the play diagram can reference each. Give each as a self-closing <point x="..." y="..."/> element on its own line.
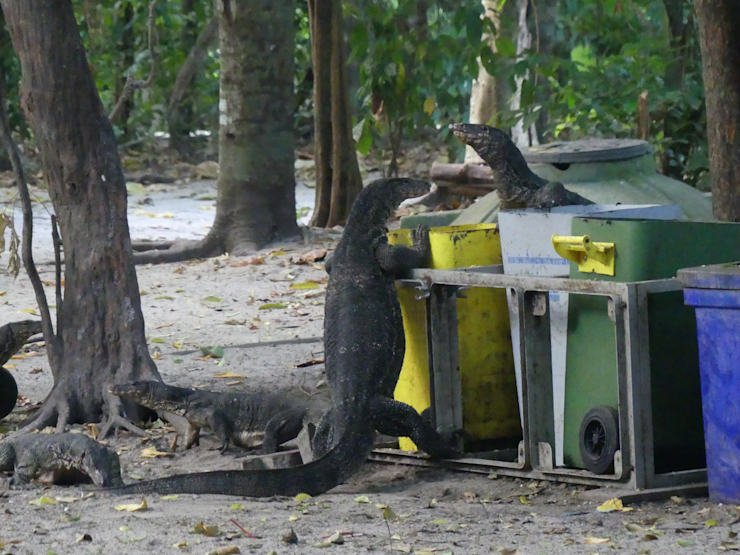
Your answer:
<point x="599" y="439"/>
<point x="8" y="392"/>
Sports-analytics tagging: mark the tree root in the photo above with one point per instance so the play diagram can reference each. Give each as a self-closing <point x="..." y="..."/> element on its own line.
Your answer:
<point x="143" y="246"/>
<point x="57" y="412"/>
<point x="52" y="413"/>
<point x="116" y="422"/>
<point x="180" y="251"/>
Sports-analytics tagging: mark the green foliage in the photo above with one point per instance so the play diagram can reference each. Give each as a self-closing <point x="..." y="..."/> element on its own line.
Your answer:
<point x="115" y="35"/>
<point x="603" y="59"/>
<point x="410" y="69"/>
<point x="414" y="64"/>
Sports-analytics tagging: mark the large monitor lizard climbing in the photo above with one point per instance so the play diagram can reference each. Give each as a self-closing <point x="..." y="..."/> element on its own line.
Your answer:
<point x="234" y="416"/>
<point x="364" y="346"/>
<point x="517" y="186"/>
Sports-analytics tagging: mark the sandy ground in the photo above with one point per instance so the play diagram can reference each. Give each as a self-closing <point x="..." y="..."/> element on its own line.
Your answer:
<point x="218" y="302"/>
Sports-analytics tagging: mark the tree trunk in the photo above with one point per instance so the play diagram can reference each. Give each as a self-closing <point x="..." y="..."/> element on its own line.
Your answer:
<point x="126" y="15"/>
<point x="677" y="31"/>
<point x="674" y="125"/>
<point x="179" y="116"/>
<point x="338" y="180"/>
<point x="100" y="337"/>
<point x="484" y="97"/>
<point x="719" y="27"/>
<point x="522" y="137"/>
<point x="256" y="184"/>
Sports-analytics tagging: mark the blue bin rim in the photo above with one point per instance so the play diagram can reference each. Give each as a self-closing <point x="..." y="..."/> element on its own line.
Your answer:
<point x="712" y="276"/>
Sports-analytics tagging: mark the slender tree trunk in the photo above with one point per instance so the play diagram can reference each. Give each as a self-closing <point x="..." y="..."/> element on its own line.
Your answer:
<point x="338" y="180"/>
<point x="180" y="109"/>
<point x="674" y="150"/>
<point x="484" y="98"/>
<point x="677" y="29"/>
<point x="100" y="337"/>
<point x="521" y="136"/>
<point x="719" y="27"/>
<point x="126" y="14"/>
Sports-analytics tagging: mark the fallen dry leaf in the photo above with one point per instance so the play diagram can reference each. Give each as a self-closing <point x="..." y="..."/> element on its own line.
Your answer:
<point x="205" y="529"/>
<point x="312" y="256"/>
<point x="151" y="452"/>
<point x="132" y="507"/>
<point x="305" y="285"/>
<point x="43" y="501"/>
<point x="254" y="260"/>
<point x="594" y="541"/>
<point x="610" y="506"/>
<point x="228" y="375"/>
<point x="225" y="550"/>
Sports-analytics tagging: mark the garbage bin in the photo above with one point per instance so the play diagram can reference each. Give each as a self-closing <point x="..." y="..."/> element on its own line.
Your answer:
<point x="645" y="250"/>
<point x="714" y="292"/>
<point x="527" y="250"/>
<point x="489" y="403"/>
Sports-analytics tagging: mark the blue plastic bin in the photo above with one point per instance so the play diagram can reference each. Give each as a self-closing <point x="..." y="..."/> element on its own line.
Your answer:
<point x="714" y="291"/>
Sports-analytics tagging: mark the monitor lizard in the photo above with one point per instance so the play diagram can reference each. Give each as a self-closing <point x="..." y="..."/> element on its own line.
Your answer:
<point x="364" y="346"/>
<point x="517" y="186"/>
<point x="65" y="456"/>
<point x="235" y="417"/>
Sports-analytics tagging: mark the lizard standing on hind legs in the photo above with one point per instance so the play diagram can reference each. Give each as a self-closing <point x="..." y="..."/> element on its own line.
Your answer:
<point x="364" y="346"/>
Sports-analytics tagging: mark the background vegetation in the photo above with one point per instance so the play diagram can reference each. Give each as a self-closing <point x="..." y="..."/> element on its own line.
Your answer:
<point x="411" y="64"/>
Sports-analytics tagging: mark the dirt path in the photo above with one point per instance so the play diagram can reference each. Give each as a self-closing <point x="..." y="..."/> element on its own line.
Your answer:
<point x="218" y="303"/>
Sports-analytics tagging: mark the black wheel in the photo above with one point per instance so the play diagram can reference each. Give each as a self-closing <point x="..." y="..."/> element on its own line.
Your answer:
<point x="599" y="439"/>
<point x="8" y="392"/>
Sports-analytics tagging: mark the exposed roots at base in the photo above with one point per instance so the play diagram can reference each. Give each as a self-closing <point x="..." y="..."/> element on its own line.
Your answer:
<point x="56" y="412"/>
<point x="178" y="251"/>
<point x="114" y="418"/>
<point x="52" y="413"/>
<point x="116" y="422"/>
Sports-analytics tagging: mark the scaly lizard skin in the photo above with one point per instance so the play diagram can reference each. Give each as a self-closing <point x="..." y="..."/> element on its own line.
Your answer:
<point x="30" y="455"/>
<point x="233" y="416"/>
<point x="517" y="186"/>
<point x="363" y="346"/>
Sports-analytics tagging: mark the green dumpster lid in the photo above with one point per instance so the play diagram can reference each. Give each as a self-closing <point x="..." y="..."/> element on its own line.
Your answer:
<point x="711" y="276"/>
<point x="586" y="150"/>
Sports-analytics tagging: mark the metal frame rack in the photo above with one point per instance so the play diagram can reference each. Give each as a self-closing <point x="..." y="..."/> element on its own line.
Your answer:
<point x="627" y="307"/>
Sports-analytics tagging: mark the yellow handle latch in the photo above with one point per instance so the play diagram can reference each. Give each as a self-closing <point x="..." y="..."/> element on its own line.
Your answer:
<point x="596" y="258"/>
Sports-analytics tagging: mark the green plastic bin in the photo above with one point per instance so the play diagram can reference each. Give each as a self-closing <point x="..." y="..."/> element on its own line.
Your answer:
<point x="645" y="250"/>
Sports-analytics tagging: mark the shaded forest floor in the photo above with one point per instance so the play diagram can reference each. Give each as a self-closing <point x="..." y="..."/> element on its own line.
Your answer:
<point x="222" y="302"/>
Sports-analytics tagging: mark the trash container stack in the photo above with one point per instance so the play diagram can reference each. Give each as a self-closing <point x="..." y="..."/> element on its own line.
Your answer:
<point x="714" y="292"/>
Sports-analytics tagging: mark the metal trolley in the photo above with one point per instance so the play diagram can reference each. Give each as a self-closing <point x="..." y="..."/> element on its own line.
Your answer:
<point x="634" y="467"/>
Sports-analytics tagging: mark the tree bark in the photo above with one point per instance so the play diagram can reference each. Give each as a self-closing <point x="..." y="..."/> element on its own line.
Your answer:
<point x="484" y="97"/>
<point x="100" y="336"/>
<point x="177" y="121"/>
<point x="719" y="27"/>
<point x="338" y="180"/>
<point x="256" y="185"/>
<point x="126" y="46"/>
<point x="522" y="137"/>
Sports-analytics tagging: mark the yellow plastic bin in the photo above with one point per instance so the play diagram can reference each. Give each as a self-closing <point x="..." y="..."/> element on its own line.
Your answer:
<point x="490" y="405"/>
